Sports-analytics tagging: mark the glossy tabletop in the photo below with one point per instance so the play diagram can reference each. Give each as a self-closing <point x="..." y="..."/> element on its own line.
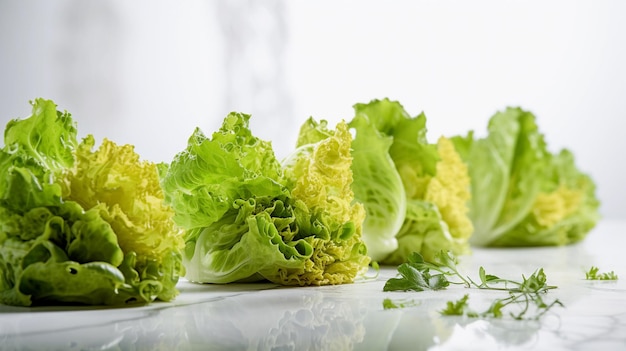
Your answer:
<point x="264" y="316"/>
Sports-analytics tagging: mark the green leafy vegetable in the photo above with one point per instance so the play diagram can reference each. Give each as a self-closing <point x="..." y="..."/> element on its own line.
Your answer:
<point x="248" y="217"/>
<point x="78" y="226"/>
<point x="523" y="195"/>
<point x="415" y="193"/>
<point x="595" y="274"/>
<point x="415" y="275"/>
<point x="379" y="187"/>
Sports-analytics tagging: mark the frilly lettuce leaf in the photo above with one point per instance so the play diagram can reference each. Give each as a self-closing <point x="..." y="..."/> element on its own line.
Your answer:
<point x="251" y="241"/>
<point x="522" y="194"/>
<point x="127" y="194"/>
<point x="246" y="218"/>
<point x="322" y="179"/>
<point x="449" y="190"/>
<point x="37" y="152"/>
<point x="48" y="138"/>
<point x="211" y="173"/>
<point x="78" y="226"/>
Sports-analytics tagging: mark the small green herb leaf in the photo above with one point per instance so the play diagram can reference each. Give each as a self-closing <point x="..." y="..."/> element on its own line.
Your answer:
<point x="438" y="282"/>
<point x="594" y="274"/>
<point x="415" y="275"/>
<point x="415" y="279"/>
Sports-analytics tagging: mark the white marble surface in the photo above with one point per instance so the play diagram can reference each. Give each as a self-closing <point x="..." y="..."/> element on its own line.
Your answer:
<point x="347" y="317"/>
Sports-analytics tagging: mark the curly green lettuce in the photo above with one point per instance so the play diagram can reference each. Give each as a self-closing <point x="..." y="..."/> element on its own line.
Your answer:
<point x="128" y="196"/>
<point x="248" y="218"/>
<point x="78" y="226"/>
<point x="522" y="194"/>
<point x="376" y="183"/>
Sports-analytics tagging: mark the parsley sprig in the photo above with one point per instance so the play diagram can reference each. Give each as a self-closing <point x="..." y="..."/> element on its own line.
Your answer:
<point x="419" y="275"/>
<point x="594" y="274"/>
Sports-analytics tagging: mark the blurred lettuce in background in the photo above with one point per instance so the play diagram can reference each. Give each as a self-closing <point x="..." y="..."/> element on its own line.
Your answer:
<point x="522" y="194"/>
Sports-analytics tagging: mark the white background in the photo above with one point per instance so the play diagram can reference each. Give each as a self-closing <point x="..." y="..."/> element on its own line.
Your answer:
<point x="149" y="72"/>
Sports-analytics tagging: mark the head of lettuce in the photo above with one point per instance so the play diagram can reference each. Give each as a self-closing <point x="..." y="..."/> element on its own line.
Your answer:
<point x="247" y="217"/>
<point x="79" y="226"/>
<point x="415" y="193"/>
<point x="523" y="194"/>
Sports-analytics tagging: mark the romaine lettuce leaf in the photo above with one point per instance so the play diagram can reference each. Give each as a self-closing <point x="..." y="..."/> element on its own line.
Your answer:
<point x="378" y="186"/>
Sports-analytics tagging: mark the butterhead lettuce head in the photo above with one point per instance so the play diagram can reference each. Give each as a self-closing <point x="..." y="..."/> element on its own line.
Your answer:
<point x="415" y="193"/>
<point x="81" y="226"/>
<point x="247" y="217"/>
<point x="522" y="194"/>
